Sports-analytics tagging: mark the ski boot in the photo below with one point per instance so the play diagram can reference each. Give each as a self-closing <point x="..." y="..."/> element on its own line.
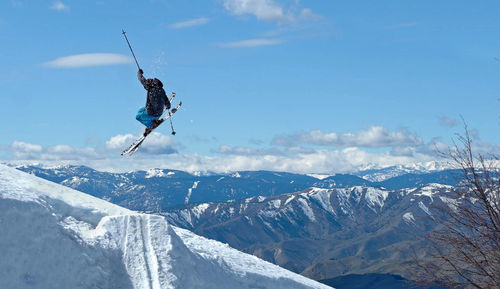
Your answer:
<point x="156" y="123"/>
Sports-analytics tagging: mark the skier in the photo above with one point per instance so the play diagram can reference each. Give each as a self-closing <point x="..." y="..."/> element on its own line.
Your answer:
<point x="156" y="103"/>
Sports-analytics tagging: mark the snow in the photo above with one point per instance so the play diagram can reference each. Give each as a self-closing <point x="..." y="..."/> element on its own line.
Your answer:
<point x="291" y="198"/>
<point x="322" y="196"/>
<point x="20" y="186"/>
<point x="376" y="196"/>
<point x="56" y="237"/>
<point x="199" y="210"/>
<point x="376" y="173"/>
<point x="157" y="173"/>
<point x="275" y="204"/>
<point x="452" y="203"/>
<point x="74" y="181"/>
<point x="190" y="191"/>
<point x="424" y="208"/>
<point x="306" y="209"/>
<point x="343" y="196"/>
<point x="408" y="217"/>
<point x="431" y="189"/>
<point x="319" y="176"/>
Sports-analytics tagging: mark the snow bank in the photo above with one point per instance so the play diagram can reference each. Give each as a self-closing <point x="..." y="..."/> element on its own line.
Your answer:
<point x="56" y="237"/>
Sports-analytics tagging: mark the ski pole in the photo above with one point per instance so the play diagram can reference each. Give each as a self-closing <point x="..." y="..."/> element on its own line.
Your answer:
<point x="123" y="32"/>
<point x="171" y="125"/>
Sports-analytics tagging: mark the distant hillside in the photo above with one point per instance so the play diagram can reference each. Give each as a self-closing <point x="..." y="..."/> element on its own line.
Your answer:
<point x="158" y="190"/>
<point x="324" y="233"/>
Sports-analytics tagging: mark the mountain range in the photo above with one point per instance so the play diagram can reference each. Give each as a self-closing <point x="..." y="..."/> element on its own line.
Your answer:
<point x="320" y="226"/>
<point x="159" y="190"/>
<point x="324" y="233"/>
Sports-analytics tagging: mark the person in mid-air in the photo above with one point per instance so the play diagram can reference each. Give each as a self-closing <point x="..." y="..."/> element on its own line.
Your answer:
<point x="156" y="102"/>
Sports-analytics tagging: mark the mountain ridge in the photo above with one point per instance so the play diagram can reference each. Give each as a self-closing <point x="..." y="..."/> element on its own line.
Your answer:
<point x="158" y="190"/>
<point x="323" y="233"/>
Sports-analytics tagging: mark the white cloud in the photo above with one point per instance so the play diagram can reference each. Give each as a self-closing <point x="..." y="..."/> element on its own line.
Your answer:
<point x="27" y="151"/>
<point x="228" y="150"/>
<point x="66" y="152"/>
<point x="26" y="147"/>
<point x="120" y="141"/>
<point x="293" y="154"/>
<point x="90" y="59"/>
<point x="374" y="136"/>
<point x="268" y="10"/>
<point x="59" y="6"/>
<point x="160" y="151"/>
<point x="190" y="23"/>
<point x="23" y="150"/>
<point x="321" y="161"/>
<point x="252" y="43"/>
<point x="157" y="143"/>
<point x="262" y="9"/>
<point x="310" y="161"/>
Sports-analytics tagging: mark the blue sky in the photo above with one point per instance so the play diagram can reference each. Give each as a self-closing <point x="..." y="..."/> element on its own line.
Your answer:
<point x="304" y="86"/>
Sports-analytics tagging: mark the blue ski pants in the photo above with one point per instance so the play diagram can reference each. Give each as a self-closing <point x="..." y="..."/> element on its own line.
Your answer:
<point x="146" y="119"/>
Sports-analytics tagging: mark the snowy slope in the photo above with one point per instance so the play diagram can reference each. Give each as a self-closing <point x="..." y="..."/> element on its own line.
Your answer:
<point x="55" y="237"/>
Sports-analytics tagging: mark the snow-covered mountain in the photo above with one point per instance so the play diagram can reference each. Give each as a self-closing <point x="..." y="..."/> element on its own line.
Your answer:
<point x="158" y="190"/>
<point x="56" y="237"/>
<point x="376" y="174"/>
<point x="321" y="232"/>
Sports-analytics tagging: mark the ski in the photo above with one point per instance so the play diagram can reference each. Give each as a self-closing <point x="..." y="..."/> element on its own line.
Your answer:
<point x="135" y="146"/>
<point x="171" y="98"/>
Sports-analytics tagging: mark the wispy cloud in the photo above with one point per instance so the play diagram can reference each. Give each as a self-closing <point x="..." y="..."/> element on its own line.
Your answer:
<point x="374" y="136"/>
<point x="156" y="143"/>
<point x="229" y="150"/>
<point x="267" y="10"/>
<point x="252" y="42"/>
<point x="26" y="151"/>
<point x="59" y="6"/>
<point x="449" y="122"/>
<point x="190" y="23"/>
<point x="90" y="59"/>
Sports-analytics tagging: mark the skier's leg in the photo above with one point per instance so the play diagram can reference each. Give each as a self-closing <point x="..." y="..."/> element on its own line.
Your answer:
<point x="144" y="118"/>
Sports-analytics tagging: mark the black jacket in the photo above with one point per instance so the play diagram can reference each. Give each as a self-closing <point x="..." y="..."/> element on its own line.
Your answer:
<point x="157" y="99"/>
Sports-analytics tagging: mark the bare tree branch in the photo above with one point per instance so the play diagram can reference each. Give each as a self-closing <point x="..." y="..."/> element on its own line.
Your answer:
<point x="465" y="248"/>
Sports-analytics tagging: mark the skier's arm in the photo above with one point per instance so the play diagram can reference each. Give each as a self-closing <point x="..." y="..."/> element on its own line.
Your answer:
<point x="141" y="78"/>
